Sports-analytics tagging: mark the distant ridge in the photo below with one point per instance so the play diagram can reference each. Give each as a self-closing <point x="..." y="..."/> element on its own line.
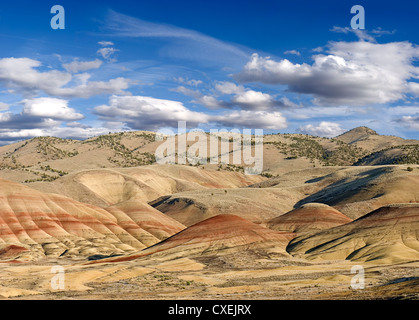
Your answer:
<point x="46" y="159"/>
<point x="356" y="134"/>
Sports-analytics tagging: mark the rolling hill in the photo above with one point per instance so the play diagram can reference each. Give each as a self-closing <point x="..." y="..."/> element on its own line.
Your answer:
<point x="121" y="224"/>
<point x="311" y="217"/>
<point x="386" y="235"/>
<point x="35" y="224"/>
<point x="46" y="159"/>
<point x="218" y="235"/>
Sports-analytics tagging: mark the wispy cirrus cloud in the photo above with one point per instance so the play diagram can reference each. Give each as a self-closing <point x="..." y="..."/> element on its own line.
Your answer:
<point x="363" y="34"/>
<point x="180" y="43"/>
<point x="106" y="43"/>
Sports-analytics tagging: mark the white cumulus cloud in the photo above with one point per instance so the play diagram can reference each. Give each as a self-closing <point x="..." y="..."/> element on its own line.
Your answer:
<point x="352" y="73"/>
<point x="77" y="66"/>
<point x="146" y="113"/>
<point x="323" y="129"/>
<point x="252" y="119"/>
<point x="409" y="122"/>
<point x="50" y="108"/>
<point x="22" y="75"/>
<point x="3" y="106"/>
<point x="107" y="53"/>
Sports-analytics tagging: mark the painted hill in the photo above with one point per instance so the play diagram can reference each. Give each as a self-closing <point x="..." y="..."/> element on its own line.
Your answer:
<point x="218" y="235"/>
<point x="146" y="217"/>
<point x="386" y="235"/>
<point x="311" y="217"/>
<point x="54" y="225"/>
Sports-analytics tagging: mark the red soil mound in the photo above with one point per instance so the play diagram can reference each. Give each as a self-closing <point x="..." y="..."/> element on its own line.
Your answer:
<point x="309" y="218"/>
<point x="388" y="235"/>
<point x="216" y="235"/>
<point x="50" y="224"/>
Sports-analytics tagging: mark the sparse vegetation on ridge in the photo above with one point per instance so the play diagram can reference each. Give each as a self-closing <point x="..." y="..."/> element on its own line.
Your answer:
<point x="44" y="158"/>
<point x="408" y="154"/>
<point x="340" y="154"/>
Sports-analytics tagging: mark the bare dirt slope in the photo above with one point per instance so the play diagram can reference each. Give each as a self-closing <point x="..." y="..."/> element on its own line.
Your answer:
<point x="386" y="235"/>
<point x="354" y="191"/>
<point x="105" y="187"/>
<point x="218" y="235"/>
<point x="254" y="204"/>
<point x="311" y="217"/>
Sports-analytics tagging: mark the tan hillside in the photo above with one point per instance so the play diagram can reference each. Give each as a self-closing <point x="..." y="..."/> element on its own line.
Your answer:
<point x="371" y="141"/>
<point x="386" y="235"/>
<point x="45" y="159"/>
<point x="405" y="154"/>
<point x="48" y="158"/>
<point x="356" y="134"/>
<point x="254" y="204"/>
<point x="311" y="217"/>
<point x="106" y="187"/>
<point x="354" y="191"/>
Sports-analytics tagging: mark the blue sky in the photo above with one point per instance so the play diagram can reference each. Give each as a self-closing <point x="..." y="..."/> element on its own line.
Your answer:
<point x="281" y="66"/>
